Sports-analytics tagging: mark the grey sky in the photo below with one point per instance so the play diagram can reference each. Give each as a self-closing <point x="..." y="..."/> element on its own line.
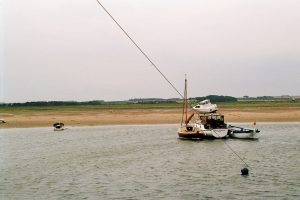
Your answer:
<point x="71" y="50"/>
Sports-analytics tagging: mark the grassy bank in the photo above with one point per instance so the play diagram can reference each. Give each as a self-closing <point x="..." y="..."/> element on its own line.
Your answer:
<point x="89" y="107"/>
<point x="263" y="104"/>
<point x="163" y="105"/>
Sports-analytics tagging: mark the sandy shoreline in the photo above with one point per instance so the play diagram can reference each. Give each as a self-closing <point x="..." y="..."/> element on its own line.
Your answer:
<point x="141" y="116"/>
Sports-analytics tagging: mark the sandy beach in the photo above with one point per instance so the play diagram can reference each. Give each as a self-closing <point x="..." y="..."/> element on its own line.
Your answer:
<point x="141" y="116"/>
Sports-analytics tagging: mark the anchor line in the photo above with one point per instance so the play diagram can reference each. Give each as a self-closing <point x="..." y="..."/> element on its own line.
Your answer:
<point x="233" y="151"/>
<point x="237" y="155"/>
<point x="139" y="48"/>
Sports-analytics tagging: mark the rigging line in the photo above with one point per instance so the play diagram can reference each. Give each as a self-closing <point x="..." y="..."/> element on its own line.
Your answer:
<point x="139" y="48"/>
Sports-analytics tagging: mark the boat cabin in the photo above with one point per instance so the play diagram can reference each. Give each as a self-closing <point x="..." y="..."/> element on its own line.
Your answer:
<point x="212" y="121"/>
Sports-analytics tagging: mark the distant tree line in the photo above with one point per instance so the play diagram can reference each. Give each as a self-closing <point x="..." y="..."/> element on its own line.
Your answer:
<point x="153" y="100"/>
<point x="268" y="98"/>
<point x="215" y="98"/>
<point x="265" y="97"/>
<point x="52" y="103"/>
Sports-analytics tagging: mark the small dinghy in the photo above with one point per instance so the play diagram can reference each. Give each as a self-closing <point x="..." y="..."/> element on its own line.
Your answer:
<point x="58" y="126"/>
<point x="242" y="133"/>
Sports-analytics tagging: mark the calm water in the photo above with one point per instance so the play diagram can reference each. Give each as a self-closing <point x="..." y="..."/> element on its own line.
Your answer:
<point x="147" y="162"/>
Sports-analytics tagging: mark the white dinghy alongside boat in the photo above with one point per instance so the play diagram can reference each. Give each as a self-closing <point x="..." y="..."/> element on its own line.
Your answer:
<point x="243" y="133"/>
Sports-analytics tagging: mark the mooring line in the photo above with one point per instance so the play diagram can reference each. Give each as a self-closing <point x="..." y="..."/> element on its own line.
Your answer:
<point x="139" y="48"/>
<point x="233" y="151"/>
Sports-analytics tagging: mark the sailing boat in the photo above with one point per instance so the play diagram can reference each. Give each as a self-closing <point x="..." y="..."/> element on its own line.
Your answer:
<point x="201" y="125"/>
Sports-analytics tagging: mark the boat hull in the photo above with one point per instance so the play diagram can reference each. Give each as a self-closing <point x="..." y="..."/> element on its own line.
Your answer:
<point x="241" y="135"/>
<point x="200" y="134"/>
<point x="191" y="136"/>
<point x="59" y="129"/>
<point x="216" y="133"/>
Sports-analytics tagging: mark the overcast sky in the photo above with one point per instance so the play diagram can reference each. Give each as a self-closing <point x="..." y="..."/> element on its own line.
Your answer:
<point x="72" y="50"/>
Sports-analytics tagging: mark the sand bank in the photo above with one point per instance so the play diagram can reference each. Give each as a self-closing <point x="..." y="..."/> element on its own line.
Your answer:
<point x="141" y="116"/>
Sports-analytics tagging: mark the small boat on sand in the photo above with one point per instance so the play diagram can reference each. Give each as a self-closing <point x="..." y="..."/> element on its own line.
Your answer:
<point x="242" y="133"/>
<point x="58" y="126"/>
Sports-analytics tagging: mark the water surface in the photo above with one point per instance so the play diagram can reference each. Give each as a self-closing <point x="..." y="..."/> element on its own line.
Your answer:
<point x="147" y="162"/>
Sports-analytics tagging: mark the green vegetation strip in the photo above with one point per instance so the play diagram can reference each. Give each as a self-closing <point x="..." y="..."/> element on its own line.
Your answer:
<point x="259" y="104"/>
<point x="88" y="107"/>
<point x="161" y="105"/>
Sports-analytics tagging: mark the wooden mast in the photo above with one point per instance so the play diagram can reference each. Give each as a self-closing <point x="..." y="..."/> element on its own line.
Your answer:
<point x="185" y="105"/>
<point x="185" y="99"/>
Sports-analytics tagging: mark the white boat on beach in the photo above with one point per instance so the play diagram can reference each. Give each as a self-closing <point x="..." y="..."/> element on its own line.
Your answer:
<point x="205" y="107"/>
